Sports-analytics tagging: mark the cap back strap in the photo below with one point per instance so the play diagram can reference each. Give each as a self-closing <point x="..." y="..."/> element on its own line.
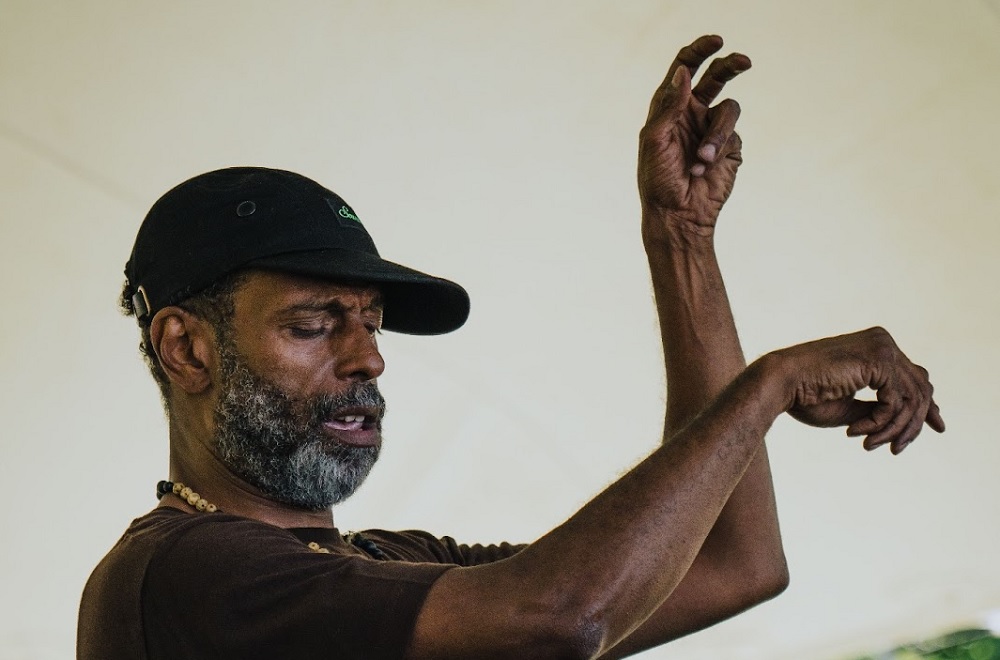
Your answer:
<point x="140" y="303"/>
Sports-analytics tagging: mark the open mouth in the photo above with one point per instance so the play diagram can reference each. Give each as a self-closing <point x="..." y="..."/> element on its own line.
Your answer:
<point x="354" y="420"/>
<point x="351" y="422"/>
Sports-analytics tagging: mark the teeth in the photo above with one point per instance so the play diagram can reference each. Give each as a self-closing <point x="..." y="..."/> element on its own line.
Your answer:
<point x="350" y="419"/>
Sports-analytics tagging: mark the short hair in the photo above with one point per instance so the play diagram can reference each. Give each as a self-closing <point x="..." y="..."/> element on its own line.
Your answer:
<point x="214" y="304"/>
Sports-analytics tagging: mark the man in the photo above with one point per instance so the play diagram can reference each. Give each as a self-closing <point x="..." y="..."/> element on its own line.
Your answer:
<point x="260" y="295"/>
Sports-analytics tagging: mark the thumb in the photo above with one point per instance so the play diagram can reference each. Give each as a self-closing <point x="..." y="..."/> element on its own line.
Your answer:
<point x="867" y="421"/>
<point x="840" y="412"/>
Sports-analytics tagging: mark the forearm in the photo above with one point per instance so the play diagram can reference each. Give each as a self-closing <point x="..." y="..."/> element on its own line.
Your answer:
<point x="702" y="354"/>
<point x="741" y="561"/>
<point x="611" y="565"/>
<point x="701" y="348"/>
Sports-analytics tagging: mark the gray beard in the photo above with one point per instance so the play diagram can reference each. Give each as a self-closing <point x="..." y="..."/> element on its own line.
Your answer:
<point x="277" y="444"/>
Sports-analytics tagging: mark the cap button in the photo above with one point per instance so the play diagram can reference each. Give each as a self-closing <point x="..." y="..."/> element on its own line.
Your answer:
<point x="245" y="208"/>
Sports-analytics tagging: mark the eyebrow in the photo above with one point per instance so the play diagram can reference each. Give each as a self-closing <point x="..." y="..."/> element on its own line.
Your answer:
<point x="335" y="306"/>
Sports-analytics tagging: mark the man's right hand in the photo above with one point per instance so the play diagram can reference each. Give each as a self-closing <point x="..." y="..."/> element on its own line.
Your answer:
<point x="824" y="376"/>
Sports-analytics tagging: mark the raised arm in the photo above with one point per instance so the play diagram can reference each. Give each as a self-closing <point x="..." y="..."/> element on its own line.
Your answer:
<point x="688" y="157"/>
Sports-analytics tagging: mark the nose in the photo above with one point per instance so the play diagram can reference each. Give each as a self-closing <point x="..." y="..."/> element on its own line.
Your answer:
<point x="358" y="355"/>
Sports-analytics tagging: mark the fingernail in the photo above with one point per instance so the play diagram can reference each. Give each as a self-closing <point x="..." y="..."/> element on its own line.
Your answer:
<point x="707" y="152"/>
<point x="678" y="77"/>
<point x="697" y="169"/>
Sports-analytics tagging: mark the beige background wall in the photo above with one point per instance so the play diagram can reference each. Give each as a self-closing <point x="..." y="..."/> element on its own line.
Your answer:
<point x="493" y="142"/>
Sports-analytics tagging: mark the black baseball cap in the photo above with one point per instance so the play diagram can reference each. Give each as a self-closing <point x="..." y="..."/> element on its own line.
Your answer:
<point x="255" y="217"/>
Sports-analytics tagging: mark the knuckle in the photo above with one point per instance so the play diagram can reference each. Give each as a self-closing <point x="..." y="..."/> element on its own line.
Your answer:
<point x="883" y="343"/>
<point x="688" y="55"/>
<point x="878" y="333"/>
<point x="728" y="106"/>
<point x="717" y="66"/>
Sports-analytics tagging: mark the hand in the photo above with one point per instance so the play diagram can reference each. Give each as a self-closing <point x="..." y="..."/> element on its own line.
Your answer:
<point x="830" y="372"/>
<point x="688" y="151"/>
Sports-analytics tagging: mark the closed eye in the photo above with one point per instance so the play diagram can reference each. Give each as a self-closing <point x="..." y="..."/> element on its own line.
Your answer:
<point x="307" y="332"/>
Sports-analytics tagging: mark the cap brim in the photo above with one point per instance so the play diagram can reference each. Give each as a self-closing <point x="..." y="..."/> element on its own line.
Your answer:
<point x="415" y="303"/>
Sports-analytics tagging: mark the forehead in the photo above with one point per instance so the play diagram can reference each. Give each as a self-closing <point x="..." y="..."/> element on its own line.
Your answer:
<point x="275" y="291"/>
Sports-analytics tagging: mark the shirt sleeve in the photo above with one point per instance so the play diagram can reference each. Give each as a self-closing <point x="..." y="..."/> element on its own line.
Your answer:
<point x="420" y="546"/>
<point x="243" y="589"/>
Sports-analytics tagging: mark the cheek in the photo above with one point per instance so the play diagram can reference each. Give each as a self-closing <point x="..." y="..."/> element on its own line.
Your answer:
<point x="300" y="370"/>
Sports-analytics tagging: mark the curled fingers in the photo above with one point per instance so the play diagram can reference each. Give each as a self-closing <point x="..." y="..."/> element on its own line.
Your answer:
<point x="689" y="58"/>
<point x="719" y="72"/>
<point x="934" y="419"/>
<point x="903" y="408"/>
<point x="720" y="138"/>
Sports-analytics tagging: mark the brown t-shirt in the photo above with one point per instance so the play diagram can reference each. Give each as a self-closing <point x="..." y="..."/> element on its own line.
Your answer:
<point x="181" y="585"/>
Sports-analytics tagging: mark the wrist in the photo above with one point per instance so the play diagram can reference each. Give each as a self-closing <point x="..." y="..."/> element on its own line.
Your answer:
<point x="663" y="230"/>
<point x="678" y="252"/>
<point x="753" y="399"/>
<point x="775" y="377"/>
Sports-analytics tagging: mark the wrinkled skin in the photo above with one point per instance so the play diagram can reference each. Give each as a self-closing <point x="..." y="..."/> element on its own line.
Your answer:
<point x="689" y="150"/>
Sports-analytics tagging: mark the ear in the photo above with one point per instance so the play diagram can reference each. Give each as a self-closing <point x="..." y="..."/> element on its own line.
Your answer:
<point x="185" y="346"/>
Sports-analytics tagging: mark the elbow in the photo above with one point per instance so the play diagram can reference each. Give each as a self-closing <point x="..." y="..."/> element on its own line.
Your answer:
<point x="563" y="640"/>
<point x="776" y="582"/>
<point x="584" y="641"/>
<point x="575" y="636"/>
<point x="748" y="583"/>
<point x="776" y="577"/>
<point x="782" y="577"/>
<point x="762" y="583"/>
<point x="564" y="626"/>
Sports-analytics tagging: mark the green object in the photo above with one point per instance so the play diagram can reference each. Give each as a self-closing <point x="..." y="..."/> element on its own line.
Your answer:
<point x="971" y="644"/>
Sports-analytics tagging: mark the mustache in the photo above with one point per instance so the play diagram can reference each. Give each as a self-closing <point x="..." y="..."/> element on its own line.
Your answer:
<point x="366" y="395"/>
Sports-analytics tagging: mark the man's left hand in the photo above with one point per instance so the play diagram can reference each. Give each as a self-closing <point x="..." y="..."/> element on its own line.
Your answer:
<point x="689" y="150"/>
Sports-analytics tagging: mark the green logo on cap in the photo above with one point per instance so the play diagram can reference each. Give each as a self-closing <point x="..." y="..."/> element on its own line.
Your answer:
<point x="345" y="212"/>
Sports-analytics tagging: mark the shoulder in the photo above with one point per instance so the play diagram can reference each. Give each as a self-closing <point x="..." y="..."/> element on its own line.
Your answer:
<point x="246" y="558"/>
<point x="418" y="545"/>
<point x="112" y="602"/>
<point x="264" y="586"/>
<point x="181" y="532"/>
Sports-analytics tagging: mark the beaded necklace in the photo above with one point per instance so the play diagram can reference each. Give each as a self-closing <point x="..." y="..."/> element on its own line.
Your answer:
<point x="202" y="505"/>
